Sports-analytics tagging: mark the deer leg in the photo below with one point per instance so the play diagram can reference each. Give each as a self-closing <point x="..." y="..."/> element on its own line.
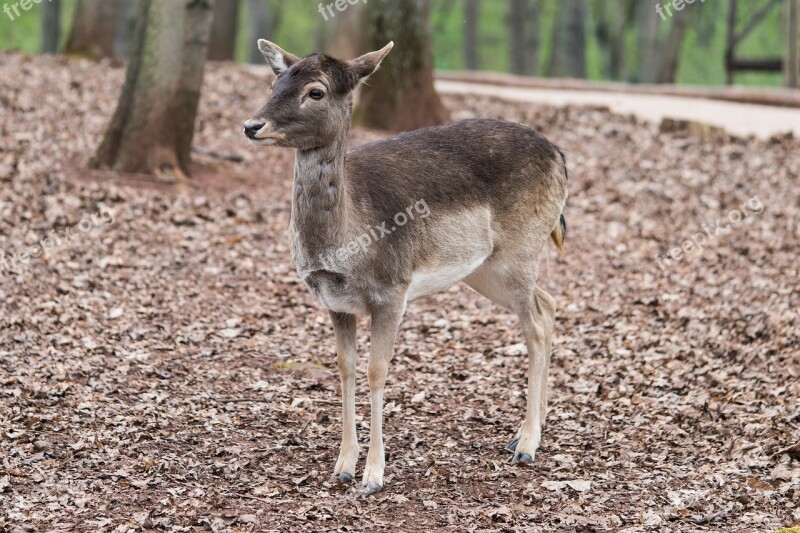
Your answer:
<point x="534" y="326"/>
<point x="546" y="308"/>
<point x="385" y="323"/>
<point x="344" y="325"/>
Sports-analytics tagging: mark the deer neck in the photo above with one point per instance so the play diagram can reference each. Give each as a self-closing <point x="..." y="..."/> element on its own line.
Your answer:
<point x="320" y="199"/>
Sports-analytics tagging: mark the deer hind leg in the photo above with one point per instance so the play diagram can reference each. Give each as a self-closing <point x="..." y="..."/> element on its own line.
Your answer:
<point x="344" y="325"/>
<point x="536" y="311"/>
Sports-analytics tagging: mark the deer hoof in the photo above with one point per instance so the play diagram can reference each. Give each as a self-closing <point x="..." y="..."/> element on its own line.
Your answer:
<point x="372" y="488"/>
<point x="344" y="477"/>
<point x="512" y="446"/>
<point x="521" y="458"/>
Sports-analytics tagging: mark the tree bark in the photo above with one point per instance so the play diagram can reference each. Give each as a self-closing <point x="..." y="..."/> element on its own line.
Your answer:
<point x="50" y="27"/>
<point x="670" y="52"/>
<point x="152" y="128"/>
<point x="516" y="32"/>
<point x="647" y="27"/>
<point x="400" y="96"/>
<point x="125" y="26"/>
<point x="92" y="33"/>
<point x="555" y="62"/>
<point x="264" y="17"/>
<point x="471" y="10"/>
<point x="575" y="38"/>
<point x="533" y="35"/>
<point x="222" y="42"/>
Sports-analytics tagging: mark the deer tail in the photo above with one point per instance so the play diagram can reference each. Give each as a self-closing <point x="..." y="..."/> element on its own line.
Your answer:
<point x="559" y="233"/>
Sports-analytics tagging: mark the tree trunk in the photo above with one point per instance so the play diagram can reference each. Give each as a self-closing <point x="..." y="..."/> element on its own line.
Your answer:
<point x="471" y="10"/>
<point x="222" y="43"/>
<point x="125" y="26"/>
<point x="400" y="96"/>
<point x="264" y="17"/>
<point x="516" y="34"/>
<point x="532" y="41"/>
<point x="555" y="63"/>
<point x="647" y="27"/>
<point x="575" y="38"/>
<point x="50" y="27"/>
<point x="669" y="54"/>
<point x="347" y="38"/>
<point x="152" y="128"/>
<point x="92" y="33"/>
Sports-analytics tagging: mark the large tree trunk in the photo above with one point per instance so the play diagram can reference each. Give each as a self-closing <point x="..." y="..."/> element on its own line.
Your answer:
<point x="471" y="9"/>
<point x="152" y="128"/>
<point x="516" y="33"/>
<point x="400" y="96"/>
<point x="264" y="16"/>
<point x="670" y="52"/>
<point x="126" y="25"/>
<point x="222" y="43"/>
<point x="50" y="27"/>
<point x="92" y="33"/>
<point x="347" y="37"/>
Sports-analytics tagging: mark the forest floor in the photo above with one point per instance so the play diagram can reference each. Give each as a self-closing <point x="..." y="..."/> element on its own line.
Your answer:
<point x="163" y="367"/>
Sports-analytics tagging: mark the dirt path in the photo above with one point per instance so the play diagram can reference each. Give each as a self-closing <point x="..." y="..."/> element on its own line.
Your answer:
<point x="738" y="119"/>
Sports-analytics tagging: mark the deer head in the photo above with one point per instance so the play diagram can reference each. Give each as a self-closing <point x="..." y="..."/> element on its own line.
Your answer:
<point x="311" y="99"/>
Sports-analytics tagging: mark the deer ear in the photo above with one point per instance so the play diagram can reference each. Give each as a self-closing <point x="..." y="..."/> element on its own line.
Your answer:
<point x="276" y="57"/>
<point x="367" y="64"/>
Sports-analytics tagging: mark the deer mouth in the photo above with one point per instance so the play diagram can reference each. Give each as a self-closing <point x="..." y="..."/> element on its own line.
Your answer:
<point x="269" y="139"/>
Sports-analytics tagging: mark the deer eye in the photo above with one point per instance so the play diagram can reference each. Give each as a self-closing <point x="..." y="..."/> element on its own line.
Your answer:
<point x="316" y="94"/>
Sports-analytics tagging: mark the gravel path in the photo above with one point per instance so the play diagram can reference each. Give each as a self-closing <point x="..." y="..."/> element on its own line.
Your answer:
<point x="736" y="118"/>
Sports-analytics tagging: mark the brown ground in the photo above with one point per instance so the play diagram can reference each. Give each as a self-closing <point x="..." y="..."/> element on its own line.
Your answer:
<point x="168" y="370"/>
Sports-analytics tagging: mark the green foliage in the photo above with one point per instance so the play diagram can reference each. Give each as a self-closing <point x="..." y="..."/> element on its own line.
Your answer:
<point x="701" y="60"/>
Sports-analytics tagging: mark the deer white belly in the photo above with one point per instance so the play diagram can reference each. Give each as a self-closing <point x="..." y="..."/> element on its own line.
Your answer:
<point x="425" y="282"/>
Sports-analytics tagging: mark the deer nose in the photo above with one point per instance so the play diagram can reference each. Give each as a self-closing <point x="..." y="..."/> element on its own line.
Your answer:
<point x="252" y="127"/>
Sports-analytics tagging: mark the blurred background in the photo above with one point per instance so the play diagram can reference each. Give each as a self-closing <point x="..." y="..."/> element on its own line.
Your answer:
<point x="639" y="41"/>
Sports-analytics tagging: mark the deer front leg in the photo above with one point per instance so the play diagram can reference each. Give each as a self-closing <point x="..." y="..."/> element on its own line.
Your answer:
<point x="385" y="322"/>
<point x="344" y="326"/>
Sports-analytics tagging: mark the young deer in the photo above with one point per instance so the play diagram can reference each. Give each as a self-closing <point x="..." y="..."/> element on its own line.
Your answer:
<point x="494" y="191"/>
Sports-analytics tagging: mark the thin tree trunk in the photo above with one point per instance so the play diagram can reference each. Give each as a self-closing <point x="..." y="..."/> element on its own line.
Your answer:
<point x="517" y="10"/>
<point x="471" y="10"/>
<point x="617" y="50"/>
<point x="347" y="37"/>
<point x="647" y="26"/>
<point x="400" y="96"/>
<point x="670" y="52"/>
<point x="264" y="17"/>
<point x="92" y="33"/>
<point x="555" y="62"/>
<point x="50" y="27"/>
<point x="152" y="128"/>
<point x="222" y="43"/>
<point x="575" y="38"/>
<point x="533" y="35"/>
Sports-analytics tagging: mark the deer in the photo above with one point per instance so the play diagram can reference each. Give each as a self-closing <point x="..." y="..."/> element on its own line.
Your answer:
<point x="495" y="193"/>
